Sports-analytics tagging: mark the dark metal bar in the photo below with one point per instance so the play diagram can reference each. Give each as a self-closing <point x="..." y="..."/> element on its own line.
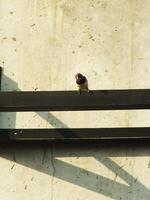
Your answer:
<point x="0" y="78"/>
<point x="76" y="133"/>
<point x="71" y="100"/>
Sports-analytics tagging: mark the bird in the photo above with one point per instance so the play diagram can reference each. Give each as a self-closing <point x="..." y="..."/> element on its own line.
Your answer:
<point x="82" y="83"/>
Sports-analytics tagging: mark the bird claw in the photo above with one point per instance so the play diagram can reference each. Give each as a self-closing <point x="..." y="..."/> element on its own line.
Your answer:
<point x="79" y="92"/>
<point x="89" y="91"/>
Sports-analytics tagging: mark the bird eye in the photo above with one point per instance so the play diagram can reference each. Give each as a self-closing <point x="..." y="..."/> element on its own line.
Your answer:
<point x="76" y="76"/>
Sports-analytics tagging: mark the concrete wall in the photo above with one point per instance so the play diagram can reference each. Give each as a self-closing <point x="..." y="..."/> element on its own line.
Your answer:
<point x="43" y="43"/>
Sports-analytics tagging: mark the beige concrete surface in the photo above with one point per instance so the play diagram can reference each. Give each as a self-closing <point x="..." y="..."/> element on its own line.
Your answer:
<point x="43" y="43"/>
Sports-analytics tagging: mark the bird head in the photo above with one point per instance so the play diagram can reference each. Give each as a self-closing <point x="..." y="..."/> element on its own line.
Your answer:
<point x="78" y="76"/>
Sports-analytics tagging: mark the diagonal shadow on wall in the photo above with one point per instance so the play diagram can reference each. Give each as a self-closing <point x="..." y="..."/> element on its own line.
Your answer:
<point x="135" y="187"/>
<point x="48" y="162"/>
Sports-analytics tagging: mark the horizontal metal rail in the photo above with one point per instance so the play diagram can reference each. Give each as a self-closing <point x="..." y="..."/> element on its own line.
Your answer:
<point x="72" y="101"/>
<point x="75" y="133"/>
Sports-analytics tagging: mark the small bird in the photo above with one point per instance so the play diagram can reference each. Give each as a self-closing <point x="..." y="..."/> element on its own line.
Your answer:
<point x="82" y="83"/>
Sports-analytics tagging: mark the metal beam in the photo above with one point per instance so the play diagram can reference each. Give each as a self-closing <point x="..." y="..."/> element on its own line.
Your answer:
<point x="0" y="78"/>
<point x="71" y="100"/>
<point x="76" y="133"/>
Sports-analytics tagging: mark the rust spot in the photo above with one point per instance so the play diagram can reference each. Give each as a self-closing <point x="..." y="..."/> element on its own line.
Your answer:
<point x="25" y="187"/>
<point x="91" y="37"/>
<point x="14" y="39"/>
<point x="32" y="25"/>
<point x="12" y="166"/>
<point x="4" y="38"/>
<point x="11" y="12"/>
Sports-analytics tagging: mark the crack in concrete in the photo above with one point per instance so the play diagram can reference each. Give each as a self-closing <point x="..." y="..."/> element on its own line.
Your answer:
<point x="44" y="155"/>
<point x="53" y="173"/>
<point x="14" y="157"/>
<point x="47" y="119"/>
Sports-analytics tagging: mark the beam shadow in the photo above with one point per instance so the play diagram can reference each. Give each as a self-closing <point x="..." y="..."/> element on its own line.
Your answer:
<point x="50" y="156"/>
<point x="56" y="123"/>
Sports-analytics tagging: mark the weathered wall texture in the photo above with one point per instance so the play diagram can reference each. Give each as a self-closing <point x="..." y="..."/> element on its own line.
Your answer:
<point x="43" y="43"/>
